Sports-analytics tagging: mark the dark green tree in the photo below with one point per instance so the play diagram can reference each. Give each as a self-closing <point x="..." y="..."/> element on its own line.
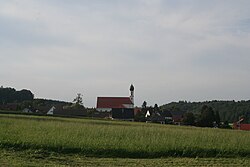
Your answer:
<point x="10" y="95"/>
<point x="217" y="118"/>
<point x="156" y="108"/>
<point x="189" y="119"/>
<point x="78" y="100"/>
<point x="207" y="117"/>
<point x="140" y="117"/>
<point x="23" y="95"/>
<point x="144" y="104"/>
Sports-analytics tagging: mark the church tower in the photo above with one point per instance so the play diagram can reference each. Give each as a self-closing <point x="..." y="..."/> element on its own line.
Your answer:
<point x="132" y="93"/>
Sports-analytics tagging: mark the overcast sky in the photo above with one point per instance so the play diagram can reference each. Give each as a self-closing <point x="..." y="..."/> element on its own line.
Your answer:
<point x="170" y="50"/>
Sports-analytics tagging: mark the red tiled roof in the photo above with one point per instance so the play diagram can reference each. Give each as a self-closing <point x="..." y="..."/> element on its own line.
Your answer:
<point x="113" y="102"/>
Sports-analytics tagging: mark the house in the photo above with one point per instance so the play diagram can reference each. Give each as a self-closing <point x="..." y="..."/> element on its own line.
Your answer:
<point x="168" y="117"/>
<point x="164" y="117"/>
<point x="119" y="107"/>
<point x="27" y="110"/>
<point x="51" y="110"/>
<point x="71" y="112"/>
<point x="42" y="109"/>
<point x="148" y="114"/>
<point x="177" y="116"/>
<point x="242" y="124"/>
<point x="155" y="117"/>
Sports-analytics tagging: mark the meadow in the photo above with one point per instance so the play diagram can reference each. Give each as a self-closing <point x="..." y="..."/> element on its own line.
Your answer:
<point x="102" y="139"/>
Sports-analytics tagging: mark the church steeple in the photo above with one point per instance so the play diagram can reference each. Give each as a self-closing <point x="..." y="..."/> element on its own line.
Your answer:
<point x="132" y="93"/>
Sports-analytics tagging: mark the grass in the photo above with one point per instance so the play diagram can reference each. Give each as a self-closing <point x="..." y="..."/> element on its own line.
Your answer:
<point x="80" y="141"/>
<point x="10" y="157"/>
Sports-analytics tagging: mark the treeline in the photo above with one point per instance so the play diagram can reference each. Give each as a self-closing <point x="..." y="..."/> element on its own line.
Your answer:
<point x="229" y="111"/>
<point x="41" y="103"/>
<point x="206" y="118"/>
<point x="10" y="95"/>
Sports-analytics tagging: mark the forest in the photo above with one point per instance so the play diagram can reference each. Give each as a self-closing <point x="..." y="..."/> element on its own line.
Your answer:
<point x="228" y="110"/>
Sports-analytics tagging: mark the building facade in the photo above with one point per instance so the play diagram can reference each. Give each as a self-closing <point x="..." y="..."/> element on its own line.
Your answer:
<point x="119" y="107"/>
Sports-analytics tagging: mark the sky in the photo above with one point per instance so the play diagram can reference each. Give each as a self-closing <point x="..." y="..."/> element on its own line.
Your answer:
<point x="170" y="50"/>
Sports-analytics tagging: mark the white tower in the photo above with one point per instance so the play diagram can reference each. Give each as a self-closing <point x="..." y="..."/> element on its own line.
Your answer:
<point x="132" y="93"/>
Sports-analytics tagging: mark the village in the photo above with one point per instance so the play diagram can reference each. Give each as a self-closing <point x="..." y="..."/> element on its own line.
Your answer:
<point x="121" y="108"/>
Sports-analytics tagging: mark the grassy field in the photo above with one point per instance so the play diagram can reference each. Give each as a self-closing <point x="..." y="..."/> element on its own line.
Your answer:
<point x="10" y="157"/>
<point x="75" y="141"/>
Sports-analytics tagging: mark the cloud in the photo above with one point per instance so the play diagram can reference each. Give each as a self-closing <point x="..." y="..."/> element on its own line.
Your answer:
<point x="170" y="50"/>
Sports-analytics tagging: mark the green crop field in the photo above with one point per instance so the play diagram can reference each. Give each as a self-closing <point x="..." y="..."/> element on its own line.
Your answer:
<point x="56" y="141"/>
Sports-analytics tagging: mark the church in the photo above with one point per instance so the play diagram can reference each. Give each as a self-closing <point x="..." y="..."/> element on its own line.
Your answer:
<point x="121" y="108"/>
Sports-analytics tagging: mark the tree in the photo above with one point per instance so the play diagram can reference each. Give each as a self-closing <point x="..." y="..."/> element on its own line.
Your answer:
<point x="140" y="117"/>
<point x="217" y="118"/>
<point x="207" y="117"/>
<point x="78" y="101"/>
<point x="228" y="110"/>
<point x="10" y="95"/>
<point x="156" y="106"/>
<point x="144" y="107"/>
<point x="156" y="109"/>
<point x="144" y="104"/>
<point x="189" y="119"/>
<point x="23" y="95"/>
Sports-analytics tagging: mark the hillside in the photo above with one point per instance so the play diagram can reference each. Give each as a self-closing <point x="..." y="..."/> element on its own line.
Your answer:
<point x="229" y="110"/>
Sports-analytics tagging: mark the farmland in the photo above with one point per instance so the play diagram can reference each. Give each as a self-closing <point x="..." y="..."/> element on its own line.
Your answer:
<point x="75" y="141"/>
